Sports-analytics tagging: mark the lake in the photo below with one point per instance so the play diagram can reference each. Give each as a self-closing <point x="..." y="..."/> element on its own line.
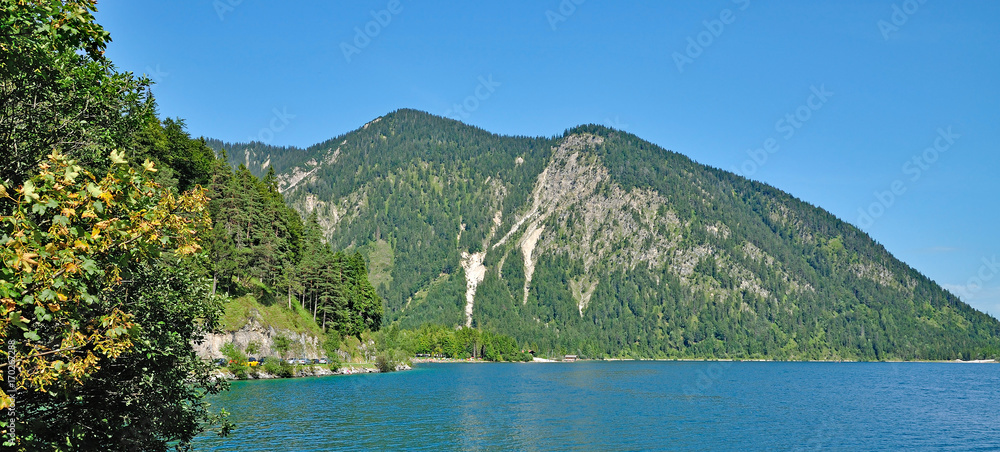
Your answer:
<point x="623" y="405"/>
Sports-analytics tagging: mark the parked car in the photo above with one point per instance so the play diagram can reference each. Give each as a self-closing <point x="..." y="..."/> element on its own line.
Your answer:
<point x="291" y="360"/>
<point x="324" y="361"/>
<point x="303" y="361"/>
<point x="220" y="362"/>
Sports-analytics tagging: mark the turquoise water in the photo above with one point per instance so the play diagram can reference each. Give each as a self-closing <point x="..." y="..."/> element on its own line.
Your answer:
<point x="623" y="406"/>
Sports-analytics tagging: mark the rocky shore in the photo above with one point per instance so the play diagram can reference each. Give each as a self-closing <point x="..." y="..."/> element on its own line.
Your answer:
<point x="308" y="371"/>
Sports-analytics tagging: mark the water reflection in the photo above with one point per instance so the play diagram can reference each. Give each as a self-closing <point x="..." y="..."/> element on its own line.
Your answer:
<point x="622" y="406"/>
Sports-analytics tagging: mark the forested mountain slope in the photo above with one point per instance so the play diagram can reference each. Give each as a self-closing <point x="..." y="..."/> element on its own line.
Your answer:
<point x="602" y="244"/>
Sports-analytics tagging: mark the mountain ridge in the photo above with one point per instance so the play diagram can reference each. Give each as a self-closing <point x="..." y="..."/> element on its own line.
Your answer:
<point x="599" y="243"/>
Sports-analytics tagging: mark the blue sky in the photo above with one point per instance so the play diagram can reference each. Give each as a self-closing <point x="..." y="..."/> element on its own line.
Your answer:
<point x="884" y="112"/>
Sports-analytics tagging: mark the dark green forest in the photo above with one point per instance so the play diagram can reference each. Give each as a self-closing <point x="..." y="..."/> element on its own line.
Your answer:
<point x="258" y="245"/>
<point x="401" y="189"/>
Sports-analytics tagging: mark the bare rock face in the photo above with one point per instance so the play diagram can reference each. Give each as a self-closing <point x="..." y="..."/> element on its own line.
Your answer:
<point x="256" y="332"/>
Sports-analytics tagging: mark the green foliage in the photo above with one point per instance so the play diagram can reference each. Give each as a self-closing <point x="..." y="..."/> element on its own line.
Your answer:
<point x="253" y="348"/>
<point x="783" y="279"/>
<point x="69" y="240"/>
<point x="389" y="360"/>
<point x="58" y="90"/>
<point x="190" y="161"/>
<point x="260" y="247"/>
<point x="103" y="283"/>
<point x="236" y="361"/>
<point x="159" y="380"/>
<point x="443" y="342"/>
<point x="256" y="238"/>
<point x="278" y="367"/>
<point x="281" y="345"/>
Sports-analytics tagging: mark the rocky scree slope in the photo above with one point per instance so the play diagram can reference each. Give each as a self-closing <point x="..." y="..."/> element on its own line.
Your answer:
<point x="601" y="244"/>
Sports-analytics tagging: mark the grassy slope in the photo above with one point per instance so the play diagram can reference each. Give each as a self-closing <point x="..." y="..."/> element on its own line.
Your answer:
<point x="240" y="310"/>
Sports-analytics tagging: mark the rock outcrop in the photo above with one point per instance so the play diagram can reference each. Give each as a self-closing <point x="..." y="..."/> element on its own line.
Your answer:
<point x="255" y="331"/>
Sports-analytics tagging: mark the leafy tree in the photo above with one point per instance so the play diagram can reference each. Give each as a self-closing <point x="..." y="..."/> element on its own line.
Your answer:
<point x="151" y="396"/>
<point x="89" y="312"/>
<point x="69" y="238"/>
<point x="237" y="360"/>
<point x="57" y="90"/>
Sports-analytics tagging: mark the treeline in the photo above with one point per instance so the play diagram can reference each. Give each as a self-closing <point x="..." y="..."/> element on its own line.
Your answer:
<point x="445" y="342"/>
<point x="260" y="157"/>
<point x="259" y="245"/>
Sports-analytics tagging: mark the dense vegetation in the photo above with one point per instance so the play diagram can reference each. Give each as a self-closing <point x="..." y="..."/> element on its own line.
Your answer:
<point x="260" y="246"/>
<point x="445" y="342"/>
<point x="642" y="312"/>
<point x="122" y="237"/>
<point x="770" y="276"/>
<point x="112" y="266"/>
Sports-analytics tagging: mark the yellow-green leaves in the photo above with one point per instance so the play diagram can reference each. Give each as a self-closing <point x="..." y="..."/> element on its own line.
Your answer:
<point x="118" y="157"/>
<point x="28" y="191"/>
<point x="93" y="190"/>
<point x="69" y="176"/>
<point x="65" y="245"/>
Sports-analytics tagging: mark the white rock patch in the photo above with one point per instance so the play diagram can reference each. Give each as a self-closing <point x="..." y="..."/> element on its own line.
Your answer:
<point x="475" y="272"/>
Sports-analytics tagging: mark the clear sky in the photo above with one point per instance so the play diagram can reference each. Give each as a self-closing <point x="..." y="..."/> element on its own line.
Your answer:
<point x="886" y="107"/>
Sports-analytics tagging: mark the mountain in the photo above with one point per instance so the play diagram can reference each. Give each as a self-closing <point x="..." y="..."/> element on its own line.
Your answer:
<point x="601" y="244"/>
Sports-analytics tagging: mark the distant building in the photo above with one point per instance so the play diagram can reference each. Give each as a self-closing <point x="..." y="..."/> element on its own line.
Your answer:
<point x="570" y="358"/>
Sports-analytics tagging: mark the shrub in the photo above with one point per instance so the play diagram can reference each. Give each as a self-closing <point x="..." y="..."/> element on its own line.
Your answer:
<point x="253" y="348"/>
<point x="278" y="367"/>
<point x="281" y="345"/>
<point x="388" y="360"/>
<point x="237" y="361"/>
<point x="384" y="363"/>
<point x="335" y="363"/>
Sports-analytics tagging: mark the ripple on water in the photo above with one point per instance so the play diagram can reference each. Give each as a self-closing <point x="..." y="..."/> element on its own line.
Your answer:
<point x="623" y="406"/>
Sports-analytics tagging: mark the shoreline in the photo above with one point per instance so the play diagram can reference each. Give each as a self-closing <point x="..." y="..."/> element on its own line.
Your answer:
<point x="309" y="371"/>
<point x="448" y="360"/>
<point x="708" y="360"/>
<point x="368" y="368"/>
